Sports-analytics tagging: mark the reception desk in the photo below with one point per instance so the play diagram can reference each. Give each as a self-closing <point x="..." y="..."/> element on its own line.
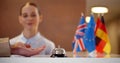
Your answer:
<point x="113" y="58"/>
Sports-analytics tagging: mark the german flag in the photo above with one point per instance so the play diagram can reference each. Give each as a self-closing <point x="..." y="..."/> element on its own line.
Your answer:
<point x="102" y="40"/>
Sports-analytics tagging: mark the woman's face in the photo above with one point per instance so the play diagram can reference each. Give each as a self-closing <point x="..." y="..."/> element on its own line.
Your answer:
<point x="30" y="17"/>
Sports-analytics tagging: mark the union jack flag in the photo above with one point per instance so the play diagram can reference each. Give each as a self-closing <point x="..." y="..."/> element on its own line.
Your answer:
<point x="78" y="44"/>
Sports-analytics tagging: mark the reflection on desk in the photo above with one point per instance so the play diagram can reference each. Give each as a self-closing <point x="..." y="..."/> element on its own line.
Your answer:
<point x="78" y="55"/>
<point x="85" y="55"/>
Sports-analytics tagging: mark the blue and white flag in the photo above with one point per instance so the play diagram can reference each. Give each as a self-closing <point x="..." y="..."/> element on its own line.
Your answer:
<point x="89" y="37"/>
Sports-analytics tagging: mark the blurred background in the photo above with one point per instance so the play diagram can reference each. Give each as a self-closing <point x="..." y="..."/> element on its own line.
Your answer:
<point x="60" y="19"/>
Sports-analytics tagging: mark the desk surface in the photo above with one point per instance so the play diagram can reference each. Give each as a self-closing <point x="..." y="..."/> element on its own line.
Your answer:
<point x="113" y="58"/>
<point x="59" y="60"/>
<point x="78" y="55"/>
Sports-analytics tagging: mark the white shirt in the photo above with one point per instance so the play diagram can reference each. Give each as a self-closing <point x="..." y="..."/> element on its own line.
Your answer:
<point x="35" y="41"/>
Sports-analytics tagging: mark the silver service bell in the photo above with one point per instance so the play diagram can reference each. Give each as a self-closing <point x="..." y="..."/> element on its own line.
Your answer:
<point x="58" y="52"/>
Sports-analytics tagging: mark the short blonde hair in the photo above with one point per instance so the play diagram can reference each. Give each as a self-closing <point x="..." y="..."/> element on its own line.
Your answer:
<point x="29" y="3"/>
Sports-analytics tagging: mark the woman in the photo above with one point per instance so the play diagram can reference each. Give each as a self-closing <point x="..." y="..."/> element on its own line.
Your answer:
<point x="30" y="42"/>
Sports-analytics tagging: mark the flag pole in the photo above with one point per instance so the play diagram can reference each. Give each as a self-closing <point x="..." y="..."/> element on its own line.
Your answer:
<point x="92" y="13"/>
<point x="99" y="14"/>
<point x="102" y="14"/>
<point x="82" y="14"/>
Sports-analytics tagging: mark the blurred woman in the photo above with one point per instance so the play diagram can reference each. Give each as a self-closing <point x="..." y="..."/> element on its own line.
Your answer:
<point x="30" y="42"/>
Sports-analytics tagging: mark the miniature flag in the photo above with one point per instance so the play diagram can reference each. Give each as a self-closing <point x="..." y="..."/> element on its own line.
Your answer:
<point x="77" y="43"/>
<point x="89" y="37"/>
<point x="102" y="40"/>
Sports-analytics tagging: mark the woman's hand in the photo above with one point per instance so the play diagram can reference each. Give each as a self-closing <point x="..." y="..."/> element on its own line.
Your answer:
<point x="21" y="49"/>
